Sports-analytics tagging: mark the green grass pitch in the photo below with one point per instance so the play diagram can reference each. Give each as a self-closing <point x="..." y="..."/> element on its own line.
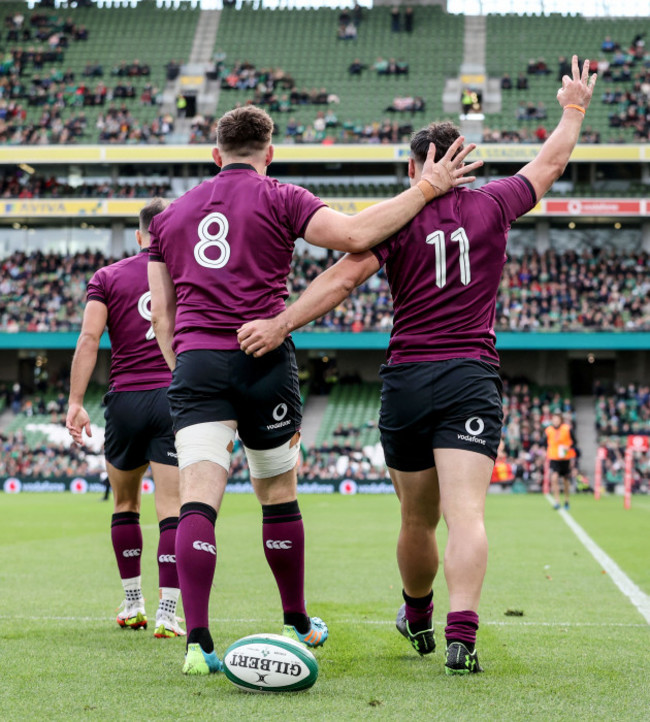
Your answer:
<point x="579" y="652"/>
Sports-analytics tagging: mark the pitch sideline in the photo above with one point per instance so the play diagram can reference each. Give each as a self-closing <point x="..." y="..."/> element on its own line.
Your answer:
<point x="634" y="593"/>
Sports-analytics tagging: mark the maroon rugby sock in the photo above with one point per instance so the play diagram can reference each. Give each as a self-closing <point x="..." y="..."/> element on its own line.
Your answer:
<point x="284" y="547"/>
<point x="126" y="536"/>
<point x="419" y="611"/>
<point x="196" y="560"/>
<point x="167" y="572"/>
<point x="462" y="627"/>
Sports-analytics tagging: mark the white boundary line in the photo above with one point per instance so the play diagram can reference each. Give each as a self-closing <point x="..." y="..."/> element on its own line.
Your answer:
<point x="373" y="622"/>
<point x="638" y="597"/>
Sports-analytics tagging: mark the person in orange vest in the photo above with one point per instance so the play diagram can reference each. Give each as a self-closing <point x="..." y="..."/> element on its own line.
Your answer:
<point x="560" y="450"/>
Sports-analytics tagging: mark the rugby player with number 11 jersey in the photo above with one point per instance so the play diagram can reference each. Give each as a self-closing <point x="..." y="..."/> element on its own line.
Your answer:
<point x="441" y="411"/>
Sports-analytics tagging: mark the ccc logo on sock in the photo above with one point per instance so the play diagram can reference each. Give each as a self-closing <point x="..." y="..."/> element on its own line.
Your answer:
<point x="271" y="544"/>
<point x="169" y="558"/>
<point x="204" y="547"/>
<point x="131" y="552"/>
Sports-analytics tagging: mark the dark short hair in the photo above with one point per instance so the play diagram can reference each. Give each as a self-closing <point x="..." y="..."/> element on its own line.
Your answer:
<point x="442" y="134"/>
<point x="153" y="208"/>
<point x="244" y="131"/>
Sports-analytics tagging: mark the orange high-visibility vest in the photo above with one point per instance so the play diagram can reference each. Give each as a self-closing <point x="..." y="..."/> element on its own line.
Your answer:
<point x="560" y="444"/>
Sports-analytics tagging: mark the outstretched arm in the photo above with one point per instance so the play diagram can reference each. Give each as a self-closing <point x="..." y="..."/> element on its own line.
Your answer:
<point x="362" y="231"/>
<point x="323" y="294"/>
<point x="552" y="159"/>
<point x="163" y="309"/>
<point x="83" y="364"/>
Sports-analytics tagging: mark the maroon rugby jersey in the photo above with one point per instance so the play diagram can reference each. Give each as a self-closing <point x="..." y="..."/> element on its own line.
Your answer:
<point x="136" y="361"/>
<point x="227" y="245"/>
<point x="444" y="269"/>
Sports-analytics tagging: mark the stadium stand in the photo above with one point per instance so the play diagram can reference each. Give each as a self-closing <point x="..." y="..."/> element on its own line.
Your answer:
<point x="518" y="43"/>
<point x="119" y="40"/>
<point x="304" y="44"/>
<point x="35" y="443"/>
<point x="527" y="411"/>
<point x="620" y="413"/>
<point x="596" y="291"/>
<point x="19" y="184"/>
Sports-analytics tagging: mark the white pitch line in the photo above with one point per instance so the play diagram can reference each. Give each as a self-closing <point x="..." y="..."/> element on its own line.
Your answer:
<point x="634" y="593"/>
<point x="373" y="622"/>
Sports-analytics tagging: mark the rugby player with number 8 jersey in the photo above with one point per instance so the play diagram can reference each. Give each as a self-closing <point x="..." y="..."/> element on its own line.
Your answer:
<point x="220" y="257"/>
<point x="441" y="411"/>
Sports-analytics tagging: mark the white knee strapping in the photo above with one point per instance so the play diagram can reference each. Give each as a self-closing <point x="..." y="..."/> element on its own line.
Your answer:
<point x="264" y="463"/>
<point x="211" y="441"/>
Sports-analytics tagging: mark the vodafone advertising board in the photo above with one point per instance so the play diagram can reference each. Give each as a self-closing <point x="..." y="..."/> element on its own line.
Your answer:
<point x="594" y="207"/>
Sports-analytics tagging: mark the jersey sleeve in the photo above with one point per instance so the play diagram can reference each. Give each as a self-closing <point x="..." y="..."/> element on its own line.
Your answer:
<point x="515" y="196"/>
<point x="154" y="246"/>
<point x="384" y="249"/>
<point x="96" y="289"/>
<point x="301" y="207"/>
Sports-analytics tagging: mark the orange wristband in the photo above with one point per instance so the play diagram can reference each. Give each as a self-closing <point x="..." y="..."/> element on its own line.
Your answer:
<point x="429" y="191"/>
<point x="576" y="107"/>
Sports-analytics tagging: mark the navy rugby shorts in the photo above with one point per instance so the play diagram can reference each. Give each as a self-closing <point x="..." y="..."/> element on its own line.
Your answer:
<point x="261" y="394"/>
<point x="138" y="429"/>
<point x="452" y="404"/>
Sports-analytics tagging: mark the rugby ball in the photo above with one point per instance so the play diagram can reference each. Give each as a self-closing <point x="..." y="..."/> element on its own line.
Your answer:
<point x="270" y="663"/>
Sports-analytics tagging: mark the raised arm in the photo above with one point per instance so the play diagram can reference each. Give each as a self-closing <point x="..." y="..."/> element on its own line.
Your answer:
<point x="358" y="233"/>
<point x="163" y="308"/>
<point x="554" y="155"/>
<point x="323" y="294"/>
<point x="83" y="365"/>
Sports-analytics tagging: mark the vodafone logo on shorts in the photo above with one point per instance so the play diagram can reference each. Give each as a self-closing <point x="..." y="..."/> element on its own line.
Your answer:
<point x="279" y="412"/>
<point x="202" y="546"/>
<point x="167" y="558"/>
<point x="131" y="553"/>
<point x="474" y="426"/>
<point x="273" y="544"/>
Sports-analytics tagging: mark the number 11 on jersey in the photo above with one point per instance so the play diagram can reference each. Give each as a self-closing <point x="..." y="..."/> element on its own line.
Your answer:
<point x="437" y="240"/>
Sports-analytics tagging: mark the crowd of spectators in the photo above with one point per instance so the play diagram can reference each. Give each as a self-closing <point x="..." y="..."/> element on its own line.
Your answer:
<point x="521" y="457"/>
<point x="33" y="80"/>
<point x="27" y="459"/>
<point x="119" y="125"/>
<point x="406" y="104"/>
<point x="598" y="290"/>
<point x="349" y="22"/>
<point x="268" y="85"/>
<point x="326" y="128"/>
<point x="626" y="69"/>
<point x="20" y="184"/>
<point x="538" y="135"/>
<point x="59" y="90"/>
<point x="622" y="412"/>
<point x="526" y="414"/>
<point x="45" y="292"/>
<point x="43" y="28"/>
